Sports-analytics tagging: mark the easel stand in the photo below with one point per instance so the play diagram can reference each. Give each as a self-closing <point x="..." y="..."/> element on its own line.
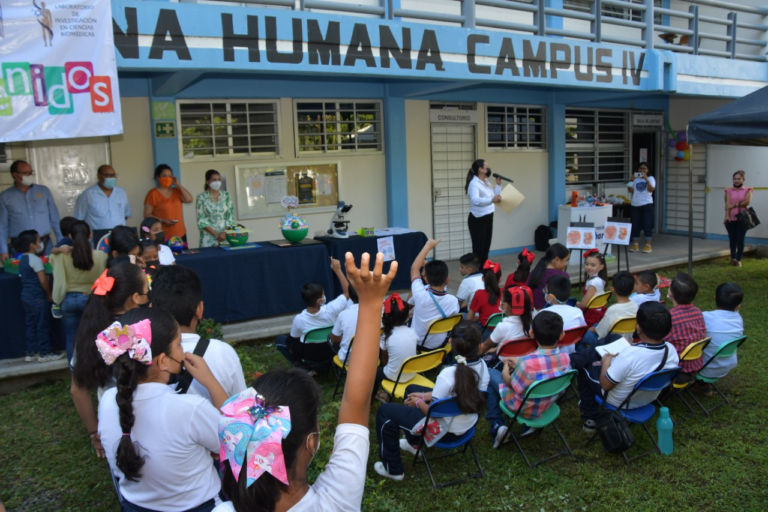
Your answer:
<point x="581" y="251"/>
<point x="620" y="246"/>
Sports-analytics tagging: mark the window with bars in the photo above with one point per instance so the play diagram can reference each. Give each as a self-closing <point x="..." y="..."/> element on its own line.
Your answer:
<point x="220" y="129"/>
<point x="614" y="11"/>
<point x="338" y="126"/>
<point x="597" y="145"/>
<point x="516" y="127"/>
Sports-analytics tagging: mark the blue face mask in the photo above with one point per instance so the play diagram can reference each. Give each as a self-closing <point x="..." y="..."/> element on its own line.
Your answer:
<point x="110" y="182"/>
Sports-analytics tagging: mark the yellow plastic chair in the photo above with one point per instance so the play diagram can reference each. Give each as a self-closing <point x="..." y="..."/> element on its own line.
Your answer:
<point x="416" y="364"/>
<point x="599" y="300"/>
<point x="691" y="353"/>
<point x="342" y="368"/>
<point x="623" y="326"/>
<point x="440" y="326"/>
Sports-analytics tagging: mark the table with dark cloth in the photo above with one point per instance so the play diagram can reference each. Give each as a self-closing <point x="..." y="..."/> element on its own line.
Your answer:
<point x="251" y="283"/>
<point x="12" y="320"/>
<point x="407" y="247"/>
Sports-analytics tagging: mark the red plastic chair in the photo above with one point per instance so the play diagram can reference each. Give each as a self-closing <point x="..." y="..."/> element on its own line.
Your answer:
<point x="572" y="336"/>
<point x="518" y="348"/>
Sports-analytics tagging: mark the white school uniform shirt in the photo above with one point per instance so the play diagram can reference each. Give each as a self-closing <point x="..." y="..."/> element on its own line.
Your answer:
<point x="345" y="326"/>
<point x="640" y="194"/>
<point x="177" y="434"/>
<point x="613" y="313"/>
<point x="481" y="194"/>
<point x="400" y="345"/>
<point x="425" y="312"/>
<point x="639" y="298"/>
<point x="444" y="389"/>
<point x="223" y="362"/>
<point x="469" y="285"/>
<point x="340" y="487"/>
<point x="165" y="255"/>
<point x="632" y="364"/>
<point x="597" y="282"/>
<point x="722" y="326"/>
<point x="510" y="328"/>
<point x="326" y="316"/>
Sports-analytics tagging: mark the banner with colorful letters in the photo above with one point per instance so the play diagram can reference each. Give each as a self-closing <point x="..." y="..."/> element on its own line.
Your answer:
<point x="59" y="77"/>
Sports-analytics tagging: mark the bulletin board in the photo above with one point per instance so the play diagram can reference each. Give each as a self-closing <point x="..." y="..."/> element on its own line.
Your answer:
<point x="260" y="188"/>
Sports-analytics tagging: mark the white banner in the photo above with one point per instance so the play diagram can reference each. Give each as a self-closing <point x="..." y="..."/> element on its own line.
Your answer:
<point x="59" y="78"/>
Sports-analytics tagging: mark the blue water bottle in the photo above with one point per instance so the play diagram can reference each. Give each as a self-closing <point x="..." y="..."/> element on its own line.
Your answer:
<point x="664" y="427"/>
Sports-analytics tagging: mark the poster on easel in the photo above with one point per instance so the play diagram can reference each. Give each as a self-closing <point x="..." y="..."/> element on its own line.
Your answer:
<point x="618" y="231"/>
<point x="581" y="236"/>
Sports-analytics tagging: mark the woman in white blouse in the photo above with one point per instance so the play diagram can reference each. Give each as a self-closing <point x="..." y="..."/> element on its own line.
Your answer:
<point x="482" y="197"/>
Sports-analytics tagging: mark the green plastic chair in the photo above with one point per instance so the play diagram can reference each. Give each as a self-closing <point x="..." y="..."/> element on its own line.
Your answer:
<point x="726" y="349"/>
<point x="318" y="335"/>
<point x="541" y="389"/>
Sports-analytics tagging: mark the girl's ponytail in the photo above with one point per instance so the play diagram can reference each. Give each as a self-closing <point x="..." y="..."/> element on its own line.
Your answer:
<point x="395" y="314"/>
<point x="523" y="267"/>
<point x="127" y="457"/>
<point x="526" y="314"/>
<point x="554" y="251"/>
<point x="465" y="340"/>
<point x="82" y="252"/>
<point x="491" y="276"/>
<point x="472" y="172"/>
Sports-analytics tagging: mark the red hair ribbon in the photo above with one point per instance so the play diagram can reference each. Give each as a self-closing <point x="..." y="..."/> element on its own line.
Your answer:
<point x="103" y="284"/>
<point x="496" y="267"/>
<point x="388" y="303"/>
<point x="590" y="253"/>
<point x="518" y="294"/>
<point x="529" y="255"/>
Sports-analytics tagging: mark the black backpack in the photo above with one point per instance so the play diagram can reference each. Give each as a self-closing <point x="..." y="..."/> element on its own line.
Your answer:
<point x="541" y="237"/>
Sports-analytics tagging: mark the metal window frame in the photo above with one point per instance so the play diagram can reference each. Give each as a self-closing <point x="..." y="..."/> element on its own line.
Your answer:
<point x="230" y="136"/>
<point x="324" y="151"/>
<point x="543" y="147"/>
<point x="595" y="147"/>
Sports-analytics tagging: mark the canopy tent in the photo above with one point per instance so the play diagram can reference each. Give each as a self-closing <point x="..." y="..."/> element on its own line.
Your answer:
<point x="743" y="122"/>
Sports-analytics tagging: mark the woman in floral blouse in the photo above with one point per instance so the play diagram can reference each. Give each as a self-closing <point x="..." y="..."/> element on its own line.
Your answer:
<point x="215" y="212"/>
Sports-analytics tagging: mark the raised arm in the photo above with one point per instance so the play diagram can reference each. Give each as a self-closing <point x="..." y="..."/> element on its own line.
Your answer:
<point x="186" y="197"/>
<point x="336" y="268"/>
<point x="371" y="288"/>
<point x="421" y="258"/>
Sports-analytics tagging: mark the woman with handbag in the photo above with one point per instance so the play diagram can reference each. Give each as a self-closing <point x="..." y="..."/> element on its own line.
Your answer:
<point x="736" y="200"/>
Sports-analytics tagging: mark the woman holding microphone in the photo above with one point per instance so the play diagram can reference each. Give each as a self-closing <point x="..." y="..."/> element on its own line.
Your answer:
<point x="482" y="197"/>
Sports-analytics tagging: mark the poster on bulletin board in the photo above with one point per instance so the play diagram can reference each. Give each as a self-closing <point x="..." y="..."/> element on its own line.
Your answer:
<point x="260" y="188"/>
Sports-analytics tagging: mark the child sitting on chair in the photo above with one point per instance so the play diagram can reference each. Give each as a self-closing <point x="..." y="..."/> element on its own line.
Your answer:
<point x="345" y="326"/>
<point x="511" y="384"/>
<point x="623" y="284"/>
<point x="469" y="268"/>
<point x="520" y="276"/>
<point x="645" y="287"/>
<point x="517" y="307"/>
<point x="687" y="323"/>
<point x="465" y="380"/>
<point x="595" y="277"/>
<point x="433" y="303"/>
<point x="486" y="301"/>
<point x="317" y="315"/>
<point x="557" y="293"/>
<point x="723" y="324"/>
<point x="398" y="343"/>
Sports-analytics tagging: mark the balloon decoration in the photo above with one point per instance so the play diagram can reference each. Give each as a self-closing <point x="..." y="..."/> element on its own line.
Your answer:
<point x="679" y="142"/>
<point x="672" y="143"/>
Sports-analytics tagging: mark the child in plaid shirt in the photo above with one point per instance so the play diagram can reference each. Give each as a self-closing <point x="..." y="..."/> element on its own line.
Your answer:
<point x="687" y="323"/>
<point x="546" y="363"/>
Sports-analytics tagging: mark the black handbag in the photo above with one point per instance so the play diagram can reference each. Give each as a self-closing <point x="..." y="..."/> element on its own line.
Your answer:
<point x="747" y="218"/>
<point x="613" y="428"/>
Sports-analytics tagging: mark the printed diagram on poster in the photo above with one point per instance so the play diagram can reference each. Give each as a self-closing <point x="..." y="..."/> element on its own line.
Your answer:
<point x="305" y="188"/>
<point x="277" y="186"/>
<point x="387" y="247"/>
<point x="59" y="75"/>
<point x="618" y="233"/>
<point x="581" y="236"/>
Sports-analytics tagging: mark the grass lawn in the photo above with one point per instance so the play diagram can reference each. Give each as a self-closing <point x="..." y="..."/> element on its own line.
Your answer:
<point x="719" y="463"/>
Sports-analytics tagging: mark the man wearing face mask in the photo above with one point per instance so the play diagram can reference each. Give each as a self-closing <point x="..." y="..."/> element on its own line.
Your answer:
<point x="26" y="206"/>
<point x="104" y="205"/>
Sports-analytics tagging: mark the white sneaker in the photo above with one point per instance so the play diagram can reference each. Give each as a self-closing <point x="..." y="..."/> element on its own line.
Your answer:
<point x="51" y="357"/>
<point x="31" y="358"/>
<point x="380" y="469"/>
<point x="407" y="447"/>
<point x="501" y="433"/>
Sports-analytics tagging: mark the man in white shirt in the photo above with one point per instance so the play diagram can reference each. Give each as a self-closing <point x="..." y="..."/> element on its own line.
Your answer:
<point x="469" y="267"/>
<point x="623" y="284"/>
<point x="104" y="205"/>
<point x="345" y="325"/>
<point x="617" y="374"/>
<point x="314" y="356"/>
<point x="558" y="292"/>
<point x="723" y="325"/>
<point x="178" y="290"/>
<point x="433" y="303"/>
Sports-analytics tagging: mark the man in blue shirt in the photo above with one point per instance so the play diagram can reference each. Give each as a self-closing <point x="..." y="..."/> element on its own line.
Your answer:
<point x="24" y="206"/>
<point x="104" y="205"/>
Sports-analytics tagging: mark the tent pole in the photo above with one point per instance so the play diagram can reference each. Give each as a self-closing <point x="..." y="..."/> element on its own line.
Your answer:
<point x="690" y="204"/>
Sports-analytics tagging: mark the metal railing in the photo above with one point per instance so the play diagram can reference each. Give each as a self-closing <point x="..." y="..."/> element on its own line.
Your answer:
<point x="648" y="26"/>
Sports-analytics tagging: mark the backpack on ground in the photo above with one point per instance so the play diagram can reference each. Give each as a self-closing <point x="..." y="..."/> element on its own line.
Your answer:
<point x="541" y="237"/>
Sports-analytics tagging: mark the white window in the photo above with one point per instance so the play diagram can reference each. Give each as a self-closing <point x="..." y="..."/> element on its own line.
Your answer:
<point x="596" y="146"/>
<point x="516" y="127"/>
<point x="221" y="128"/>
<point x="333" y="126"/>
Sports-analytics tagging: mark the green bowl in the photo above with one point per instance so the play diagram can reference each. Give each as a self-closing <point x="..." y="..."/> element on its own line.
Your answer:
<point x="236" y="241"/>
<point x="295" y="235"/>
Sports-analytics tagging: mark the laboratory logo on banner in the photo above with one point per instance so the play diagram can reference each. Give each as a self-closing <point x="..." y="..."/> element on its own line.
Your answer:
<point x="59" y="77"/>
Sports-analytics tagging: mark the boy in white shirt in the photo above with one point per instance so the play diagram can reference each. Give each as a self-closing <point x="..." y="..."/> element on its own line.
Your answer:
<point x="314" y="357"/>
<point x="723" y="325"/>
<point x="557" y="293"/>
<point x="623" y="284"/>
<point x="431" y="303"/>
<point x="617" y="374"/>
<point x="645" y="288"/>
<point x="345" y="325"/>
<point x="469" y="267"/>
<point x="178" y="291"/>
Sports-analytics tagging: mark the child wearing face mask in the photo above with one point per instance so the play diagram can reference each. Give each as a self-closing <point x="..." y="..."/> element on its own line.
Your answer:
<point x="35" y="297"/>
<point x="315" y="356"/>
<point x="152" y="228"/>
<point x="557" y="293"/>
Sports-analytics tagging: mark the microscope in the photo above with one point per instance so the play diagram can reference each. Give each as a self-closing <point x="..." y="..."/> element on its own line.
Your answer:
<point x="339" y="226"/>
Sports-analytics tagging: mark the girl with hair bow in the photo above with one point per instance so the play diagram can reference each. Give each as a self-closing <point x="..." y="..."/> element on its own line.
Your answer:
<point x="398" y="343"/>
<point x="595" y="277"/>
<point x="486" y="301"/>
<point x="517" y="308"/>
<point x="520" y="276"/>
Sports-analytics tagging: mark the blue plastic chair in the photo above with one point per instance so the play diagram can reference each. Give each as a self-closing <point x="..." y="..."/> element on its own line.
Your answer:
<point x="655" y="381"/>
<point x="447" y="408"/>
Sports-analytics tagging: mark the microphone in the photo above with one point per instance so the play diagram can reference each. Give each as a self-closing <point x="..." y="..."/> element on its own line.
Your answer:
<point x="496" y="175"/>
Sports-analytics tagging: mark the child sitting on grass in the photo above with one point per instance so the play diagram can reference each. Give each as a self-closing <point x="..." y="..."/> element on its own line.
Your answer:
<point x="511" y="384"/>
<point x="723" y="324"/>
<point x="315" y="356"/>
<point x="623" y="284"/>
<point x="645" y="287"/>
